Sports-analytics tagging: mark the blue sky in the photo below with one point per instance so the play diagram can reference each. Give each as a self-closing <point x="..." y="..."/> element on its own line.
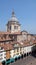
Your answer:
<point x="25" y="11"/>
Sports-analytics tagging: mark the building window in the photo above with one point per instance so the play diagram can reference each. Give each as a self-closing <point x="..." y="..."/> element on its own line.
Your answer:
<point x="1" y="58"/>
<point x="5" y="57"/>
<point x="15" y="27"/>
<point x="10" y="27"/>
<point x="1" y="55"/>
<point x="14" y="50"/>
<point x="17" y="49"/>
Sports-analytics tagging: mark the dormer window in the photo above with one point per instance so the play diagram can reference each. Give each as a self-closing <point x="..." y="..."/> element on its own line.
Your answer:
<point x="31" y="42"/>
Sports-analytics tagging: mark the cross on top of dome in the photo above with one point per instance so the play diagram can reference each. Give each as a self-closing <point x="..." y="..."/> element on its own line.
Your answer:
<point x="13" y="13"/>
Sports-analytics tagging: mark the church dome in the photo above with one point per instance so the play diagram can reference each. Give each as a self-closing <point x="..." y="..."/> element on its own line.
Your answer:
<point x="13" y="18"/>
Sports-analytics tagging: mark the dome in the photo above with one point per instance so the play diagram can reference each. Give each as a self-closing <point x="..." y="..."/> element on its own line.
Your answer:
<point x="13" y="18"/>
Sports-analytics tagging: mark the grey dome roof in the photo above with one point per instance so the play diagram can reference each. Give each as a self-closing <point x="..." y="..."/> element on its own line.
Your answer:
<point x="13" y="18"/>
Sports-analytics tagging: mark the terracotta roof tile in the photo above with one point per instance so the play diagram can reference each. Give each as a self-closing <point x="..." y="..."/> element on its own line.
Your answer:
<point x="7" y="46"/>
<point x="10" y="32"/>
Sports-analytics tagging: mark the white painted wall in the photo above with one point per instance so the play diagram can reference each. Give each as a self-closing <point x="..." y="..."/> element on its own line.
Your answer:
<point x="2" y="55"/>
<point x="11" y="53"/>
<point x="27" y="49"/>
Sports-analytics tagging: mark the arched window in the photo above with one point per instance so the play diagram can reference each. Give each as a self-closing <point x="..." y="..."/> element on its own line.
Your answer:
<point x="10" y="27"/>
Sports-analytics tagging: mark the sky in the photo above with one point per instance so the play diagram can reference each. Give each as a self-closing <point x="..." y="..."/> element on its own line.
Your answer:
<point x="25" y="11"/>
